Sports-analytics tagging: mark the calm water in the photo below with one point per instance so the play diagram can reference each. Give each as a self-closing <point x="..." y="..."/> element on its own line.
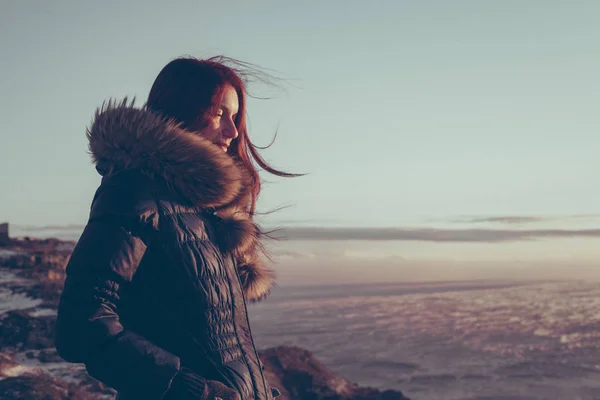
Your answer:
<point x="467" y="340"/>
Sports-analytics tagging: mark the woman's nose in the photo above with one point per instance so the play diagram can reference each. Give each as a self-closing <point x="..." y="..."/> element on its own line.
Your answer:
<point x="230" y="131"/>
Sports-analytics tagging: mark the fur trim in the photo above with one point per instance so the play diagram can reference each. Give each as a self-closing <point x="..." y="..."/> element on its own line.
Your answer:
<point x="123" y="137"/>
<point x="257" y="281"/>
<point x="236" y="231"/>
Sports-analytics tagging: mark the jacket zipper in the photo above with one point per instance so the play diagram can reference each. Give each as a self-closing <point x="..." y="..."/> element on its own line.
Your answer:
<point x="233" y="314"/>
<point x="237" y="278"/>
<point x="262" y="375"/>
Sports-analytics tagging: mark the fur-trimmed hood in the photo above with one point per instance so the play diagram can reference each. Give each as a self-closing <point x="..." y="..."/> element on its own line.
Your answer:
<point x="199" y="172"/>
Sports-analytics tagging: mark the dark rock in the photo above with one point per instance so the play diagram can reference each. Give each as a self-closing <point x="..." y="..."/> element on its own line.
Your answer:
<point x="300" y="376"/>
<point x="41" y="387"/>
<point x="49" y="356"/>
<point x="45" y="267"/>
<point x="47" y="290"/>
<point x="28" y="383"/>
<point x="90" y="385"/>
<point x="22" y="332"/>
<point x="31" y="244"/>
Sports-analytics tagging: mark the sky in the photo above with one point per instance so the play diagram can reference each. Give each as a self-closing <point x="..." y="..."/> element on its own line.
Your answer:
<point x="429" y="115"/>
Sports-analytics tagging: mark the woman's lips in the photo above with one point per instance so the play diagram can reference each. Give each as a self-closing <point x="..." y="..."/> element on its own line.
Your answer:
<point x="223" y="146"/>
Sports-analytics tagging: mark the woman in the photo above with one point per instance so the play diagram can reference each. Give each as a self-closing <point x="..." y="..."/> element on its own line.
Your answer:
<point x="154" y="302"/>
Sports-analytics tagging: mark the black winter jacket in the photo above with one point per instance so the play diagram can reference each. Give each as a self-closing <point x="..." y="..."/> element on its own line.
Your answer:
<point x="159" y="280"/>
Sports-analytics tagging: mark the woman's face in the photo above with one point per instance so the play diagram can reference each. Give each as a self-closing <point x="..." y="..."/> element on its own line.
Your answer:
<point x="221" y="128"/>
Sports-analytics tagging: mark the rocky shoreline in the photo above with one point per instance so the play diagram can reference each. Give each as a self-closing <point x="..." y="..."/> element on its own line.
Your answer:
<point x="31" y="278"/>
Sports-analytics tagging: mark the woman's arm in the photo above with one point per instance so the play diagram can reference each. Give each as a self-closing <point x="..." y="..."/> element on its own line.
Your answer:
<point x="88" y="328"/>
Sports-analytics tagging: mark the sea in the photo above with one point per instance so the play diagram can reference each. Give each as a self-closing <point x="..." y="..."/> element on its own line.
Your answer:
<point x="473" y="337"/>
<point x="447" y="340"/>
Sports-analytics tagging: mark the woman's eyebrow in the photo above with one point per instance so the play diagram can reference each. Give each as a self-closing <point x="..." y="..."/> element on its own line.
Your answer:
<point x="226" y="108"/>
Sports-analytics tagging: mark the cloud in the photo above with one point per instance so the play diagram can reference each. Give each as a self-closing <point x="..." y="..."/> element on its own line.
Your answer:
<point x="502" y="220"/>
<point x="431" y="235"/>
<point x="521" y="219"/>
<point x="303" y="221"/>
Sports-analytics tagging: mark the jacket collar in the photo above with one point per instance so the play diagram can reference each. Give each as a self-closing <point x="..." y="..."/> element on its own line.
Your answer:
<point x="124" y="137"/>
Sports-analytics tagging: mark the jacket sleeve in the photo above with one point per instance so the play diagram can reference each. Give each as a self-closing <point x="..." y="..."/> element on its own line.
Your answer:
<point x="88" y="328"/>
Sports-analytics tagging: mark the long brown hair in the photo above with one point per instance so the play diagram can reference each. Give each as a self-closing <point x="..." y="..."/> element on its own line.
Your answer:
<point x="189" y="90"/>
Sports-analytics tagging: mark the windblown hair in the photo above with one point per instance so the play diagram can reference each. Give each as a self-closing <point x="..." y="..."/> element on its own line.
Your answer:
<point x="189" y="90"/>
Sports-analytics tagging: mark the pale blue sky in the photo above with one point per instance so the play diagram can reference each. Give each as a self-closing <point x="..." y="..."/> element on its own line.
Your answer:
<point x="402" y="112"/>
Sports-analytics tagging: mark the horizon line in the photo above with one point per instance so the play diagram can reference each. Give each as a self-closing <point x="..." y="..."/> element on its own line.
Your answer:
<point x="324" y="233"/>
